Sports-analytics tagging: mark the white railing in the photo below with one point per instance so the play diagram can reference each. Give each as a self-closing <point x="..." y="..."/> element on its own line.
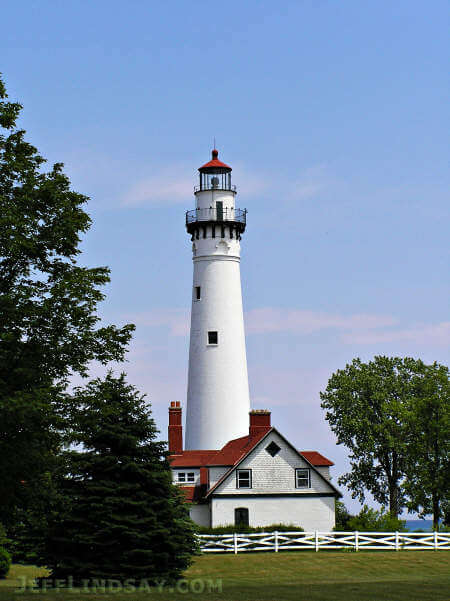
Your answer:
<point x="278" y="541"/>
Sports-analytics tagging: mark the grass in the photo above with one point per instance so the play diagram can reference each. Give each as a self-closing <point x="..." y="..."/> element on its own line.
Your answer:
<point x="295" y="576"/>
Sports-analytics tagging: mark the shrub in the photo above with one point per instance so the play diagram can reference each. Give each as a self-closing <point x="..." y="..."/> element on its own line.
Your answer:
<point x="372" y="520"/>
<point x="3" y="539"/>
<point x="342" y="517"/>
<point x="5" y="562"/>
<point x="231" y="529"/>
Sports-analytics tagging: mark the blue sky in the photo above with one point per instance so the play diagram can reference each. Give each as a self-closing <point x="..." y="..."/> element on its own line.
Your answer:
<point x="333" y="116"/>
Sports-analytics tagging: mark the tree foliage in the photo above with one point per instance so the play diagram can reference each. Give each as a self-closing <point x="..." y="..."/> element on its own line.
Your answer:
<point x="49" y="327"/>
<point x="122" y="517"/>
<point x="5" y="562"/>
<point x="342" y="516"/>
<point x="427" y="482"/>
<point x="365" y="407"/>
<point x="373" y="520"/>
<point x="393" y="416"/>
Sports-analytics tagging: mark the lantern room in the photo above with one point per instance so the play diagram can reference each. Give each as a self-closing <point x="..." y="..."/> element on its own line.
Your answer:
<point x="214" y="175"/>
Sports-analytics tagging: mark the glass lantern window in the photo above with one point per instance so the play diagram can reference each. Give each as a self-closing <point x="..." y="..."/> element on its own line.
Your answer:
<point x="215" y="181"/>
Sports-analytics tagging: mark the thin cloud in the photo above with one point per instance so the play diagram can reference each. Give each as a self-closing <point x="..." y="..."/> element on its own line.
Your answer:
<point x="167" y="187"/>
<point x="309" y="183"/>
<point x="177" y="320"/>
<point x="271" y="319"/>
<point x="358" y="328"/>
<point x="436" y="334"/>
<point x="250" y="183"/>
<point x="175" y="186"/>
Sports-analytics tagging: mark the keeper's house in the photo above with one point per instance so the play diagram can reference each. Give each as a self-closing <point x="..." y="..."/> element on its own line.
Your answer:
<point x="257" y="480"/>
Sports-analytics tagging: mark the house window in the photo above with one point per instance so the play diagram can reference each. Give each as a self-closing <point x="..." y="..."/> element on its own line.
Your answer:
<point x="197" y="293"/>
<point x="213" y="338"/>
<point x="186" y="477"/>
<point x="272" y="448"/>
<point x="302" y="478"/>
<point x="241" y="516"/>
<point x="244" y="479"/>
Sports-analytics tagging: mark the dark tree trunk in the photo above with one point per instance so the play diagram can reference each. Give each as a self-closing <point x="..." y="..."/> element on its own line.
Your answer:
<point x="436" y="512"/>
<point x="394" y="496"/>
<point x="393" y="500"/>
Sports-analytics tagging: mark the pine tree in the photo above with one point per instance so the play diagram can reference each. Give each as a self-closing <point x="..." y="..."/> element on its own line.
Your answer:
<point x="123" y="517"/>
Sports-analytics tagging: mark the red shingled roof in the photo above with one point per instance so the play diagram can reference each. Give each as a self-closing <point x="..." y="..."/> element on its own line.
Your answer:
<point x="235" y="449"/>
<point x="191" y="458"/>
<point x="316" y="458"/>
<point x="232" y="452"/>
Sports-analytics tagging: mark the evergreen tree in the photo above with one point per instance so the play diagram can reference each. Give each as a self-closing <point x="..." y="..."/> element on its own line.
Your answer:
<point x="123" y="517"/>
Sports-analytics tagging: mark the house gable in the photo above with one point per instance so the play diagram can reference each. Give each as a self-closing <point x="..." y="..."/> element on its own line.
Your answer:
<point x="273" y="474"/>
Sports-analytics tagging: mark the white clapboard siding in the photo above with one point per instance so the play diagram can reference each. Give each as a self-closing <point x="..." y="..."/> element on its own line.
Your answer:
<point x="274" y="474"/>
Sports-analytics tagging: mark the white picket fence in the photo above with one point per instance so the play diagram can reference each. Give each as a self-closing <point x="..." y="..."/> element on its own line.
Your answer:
<point x="279" y="541"/>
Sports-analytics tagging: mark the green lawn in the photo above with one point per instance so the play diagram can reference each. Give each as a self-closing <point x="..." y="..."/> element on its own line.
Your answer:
<point x="294" y="576"/>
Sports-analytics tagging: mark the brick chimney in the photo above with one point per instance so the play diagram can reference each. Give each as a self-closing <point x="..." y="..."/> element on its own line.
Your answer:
<point x="175" y="428"/>
<point x="259" y="421"/>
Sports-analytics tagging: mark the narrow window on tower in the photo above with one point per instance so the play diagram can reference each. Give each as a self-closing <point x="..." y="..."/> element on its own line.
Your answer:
<point x="213" y="338"/>
<point x="198" y="293"/>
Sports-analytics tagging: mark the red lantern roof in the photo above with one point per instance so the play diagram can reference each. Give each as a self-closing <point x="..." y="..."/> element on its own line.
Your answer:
<point x="214" y="166"/>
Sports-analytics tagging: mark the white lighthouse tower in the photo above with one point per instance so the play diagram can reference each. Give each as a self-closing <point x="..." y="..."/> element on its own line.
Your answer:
<point x="218" y="398"/>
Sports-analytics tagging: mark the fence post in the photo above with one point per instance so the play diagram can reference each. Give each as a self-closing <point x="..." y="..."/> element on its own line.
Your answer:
<point x="235" y="543"/>
<point x="435" y="540"/>
<point x="396" y="540"/>
<point x="356" y="541"/>
<point x="316" y="541"/>
<point x="275" y="540"/>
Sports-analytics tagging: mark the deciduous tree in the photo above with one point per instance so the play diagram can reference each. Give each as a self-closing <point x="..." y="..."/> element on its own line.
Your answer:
<point x="427" y="471"/>
<point x="366" y="406"/>
<point x="49" y="326"/>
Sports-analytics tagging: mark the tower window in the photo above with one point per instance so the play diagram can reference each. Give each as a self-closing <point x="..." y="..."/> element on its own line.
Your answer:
<point x="198" y="292"/>
<point x="213" y="338"/>
<point x="272" y="448"/>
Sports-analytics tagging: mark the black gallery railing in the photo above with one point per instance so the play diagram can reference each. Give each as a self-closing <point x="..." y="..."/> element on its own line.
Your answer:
<point x="217" y="214"/>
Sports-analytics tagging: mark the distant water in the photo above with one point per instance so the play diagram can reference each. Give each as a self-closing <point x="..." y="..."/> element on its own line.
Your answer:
<point x="425" y="525"/>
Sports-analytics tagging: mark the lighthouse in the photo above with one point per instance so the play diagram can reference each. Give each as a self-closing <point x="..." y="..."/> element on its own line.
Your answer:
<point x="218" y="401"/>
<point x="226" y="469"/>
